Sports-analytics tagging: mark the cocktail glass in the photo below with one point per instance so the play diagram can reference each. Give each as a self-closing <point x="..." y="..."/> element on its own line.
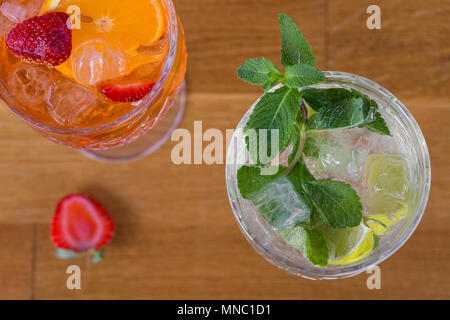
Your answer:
<point x="269" y="244"/>
<point x="73" y="115"/>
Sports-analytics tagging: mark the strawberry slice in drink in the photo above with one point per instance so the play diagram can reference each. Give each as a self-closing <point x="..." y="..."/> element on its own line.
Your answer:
<point x="42" y="40"/>
<point x="81" y="224"/>
<point x="126" y="90"/>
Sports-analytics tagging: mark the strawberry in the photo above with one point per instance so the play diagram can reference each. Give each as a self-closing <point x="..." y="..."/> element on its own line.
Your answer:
<point x="80" y="224"/>
<point x="126" y="90"/>
<point x="42" y="40"/>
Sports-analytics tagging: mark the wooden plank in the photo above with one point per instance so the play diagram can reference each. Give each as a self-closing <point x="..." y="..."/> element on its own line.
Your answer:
<point x="221" y="35"/>
<point x="176" y="234"/>
<point x="17" y="261"/>
<point x="177" y="237"/>
<point x="409" y="55"/>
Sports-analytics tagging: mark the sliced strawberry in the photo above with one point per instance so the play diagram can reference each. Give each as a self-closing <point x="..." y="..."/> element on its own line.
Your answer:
<point x="42" y="40"/>
<point x="126" y="91"/>
<point x="81" y="224"/>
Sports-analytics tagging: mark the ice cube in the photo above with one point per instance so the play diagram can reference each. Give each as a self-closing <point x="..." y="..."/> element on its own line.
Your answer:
<point x="378" y="143"/>
<point x="387" y="175"/>
<point x="337" y="154"/>
<point x="29" y="84"/>
<point x="387" y="182"/>
<point x="5" y="25"/>
<point x="94" y="61"/>
<point x="18" y="10"/>
<point x="68" y="100"/>
<point x="281" y="205"/>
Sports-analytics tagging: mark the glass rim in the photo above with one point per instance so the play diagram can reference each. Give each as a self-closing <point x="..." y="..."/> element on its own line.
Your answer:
<point x="344" y="272"/>
<point x="172" y="27"/>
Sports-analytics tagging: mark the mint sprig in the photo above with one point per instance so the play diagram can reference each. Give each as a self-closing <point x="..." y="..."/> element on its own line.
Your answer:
<point x="296" y="57"/>
<point x="293" y="201"/>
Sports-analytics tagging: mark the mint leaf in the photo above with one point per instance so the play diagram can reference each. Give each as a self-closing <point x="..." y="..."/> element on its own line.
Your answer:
<point x="259" y="71"/>
<point x="301" y="173"/>
<point x="379" y="125"/>
<point x="271" y="83"/>
<point x="318" y="98"/>
<point x="302" y="75"/>
<point x="335" y="201"/>
<point x="274" y="111"/>
<point x="328" y="99"/>
<point x="295" y="47"/>
<point x="347" y="113"/>
<point x="275" y="198"/>
<point x="251" y="181"/>
<point x="310" y="242"/>
<point x="295" y="142"/>
<point x="316" y="248"/>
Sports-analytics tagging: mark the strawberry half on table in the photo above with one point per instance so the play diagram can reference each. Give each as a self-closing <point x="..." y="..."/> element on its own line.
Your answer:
<point x="81" y="225"/>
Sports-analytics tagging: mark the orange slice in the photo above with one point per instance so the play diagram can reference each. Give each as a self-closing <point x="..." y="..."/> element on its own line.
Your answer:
<point x="107" y="44"/>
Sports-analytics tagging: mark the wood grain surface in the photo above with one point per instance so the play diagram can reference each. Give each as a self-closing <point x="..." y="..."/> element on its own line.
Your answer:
<point x="176" y="234"/>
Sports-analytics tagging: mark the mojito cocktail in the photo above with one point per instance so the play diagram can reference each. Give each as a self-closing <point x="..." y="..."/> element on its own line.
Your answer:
<point x="327" y="173"/>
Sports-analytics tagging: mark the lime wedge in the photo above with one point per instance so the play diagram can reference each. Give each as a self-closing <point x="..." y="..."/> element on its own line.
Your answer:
<point x="378" y="228"/>
<point x="379" y="223"/>
<point x="348" y="245"/>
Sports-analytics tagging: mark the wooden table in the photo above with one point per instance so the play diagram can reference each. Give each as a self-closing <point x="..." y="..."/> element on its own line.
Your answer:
<point x="176" y="234"/>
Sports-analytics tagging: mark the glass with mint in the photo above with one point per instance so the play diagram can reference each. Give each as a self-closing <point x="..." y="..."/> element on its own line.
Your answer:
<point x="328" y="173"/>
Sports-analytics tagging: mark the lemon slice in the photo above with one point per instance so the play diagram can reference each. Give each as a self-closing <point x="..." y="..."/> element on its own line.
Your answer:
<point x="348" y="245"/>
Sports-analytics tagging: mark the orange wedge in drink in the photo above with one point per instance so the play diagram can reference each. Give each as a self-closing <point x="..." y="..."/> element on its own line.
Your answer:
<point x="109" y="37"/>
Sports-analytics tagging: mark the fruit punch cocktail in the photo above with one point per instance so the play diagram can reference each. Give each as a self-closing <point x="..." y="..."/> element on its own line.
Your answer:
<point x="93" y="75"/>
<point x="327" y="173"/>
